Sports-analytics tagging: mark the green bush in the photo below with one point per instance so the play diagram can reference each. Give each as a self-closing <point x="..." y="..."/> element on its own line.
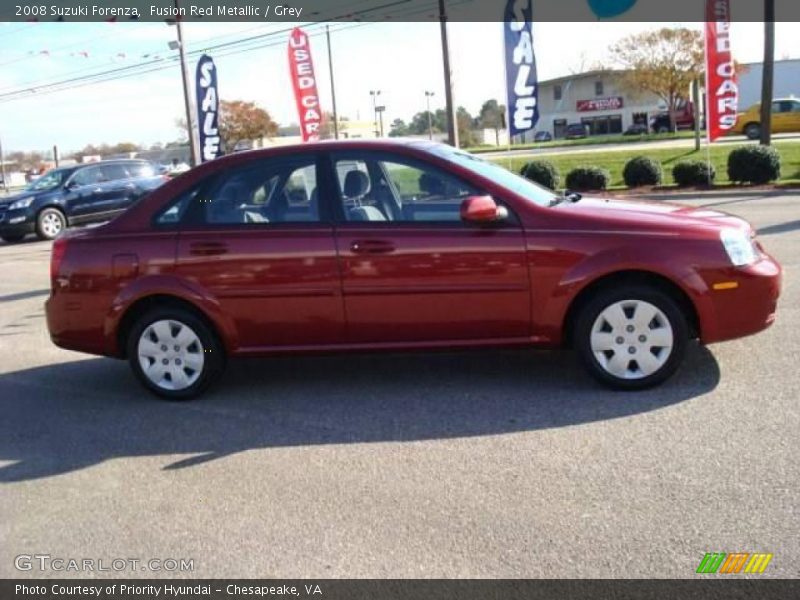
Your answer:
<point x="754" y="164"/>
<point x="588" y="178"/>
<point x="640" y="171"/>
<point x="542" y="172"/>
<point x="693" y="172"/>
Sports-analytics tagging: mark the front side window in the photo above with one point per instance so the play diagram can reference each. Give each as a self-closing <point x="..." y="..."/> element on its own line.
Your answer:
<point x="141" y="170"/>
<point x="115" y="172"/>
<point x="393" y="189"/>
<point x="270" y="192"/>
<point x="89" y="176"/>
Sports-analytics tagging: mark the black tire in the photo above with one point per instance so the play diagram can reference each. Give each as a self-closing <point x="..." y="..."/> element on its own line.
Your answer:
<point x="589" y="314"/>
<point x="10" y="238"/>
<point x="752" y="131"/>
<point x="50" y="215"/>
<point x="212" y="351"/>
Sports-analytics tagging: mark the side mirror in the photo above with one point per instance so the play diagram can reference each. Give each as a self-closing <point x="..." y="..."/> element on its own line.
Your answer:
<point x="71" y="186"/>
<point x="482" y="209"/>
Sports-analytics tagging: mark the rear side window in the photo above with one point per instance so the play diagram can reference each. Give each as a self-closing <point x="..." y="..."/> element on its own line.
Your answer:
<point x="141" y="170"/>
<point x="268" y="192"/>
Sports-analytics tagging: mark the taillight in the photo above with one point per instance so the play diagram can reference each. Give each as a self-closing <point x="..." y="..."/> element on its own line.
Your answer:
<point x="56" y="257"/>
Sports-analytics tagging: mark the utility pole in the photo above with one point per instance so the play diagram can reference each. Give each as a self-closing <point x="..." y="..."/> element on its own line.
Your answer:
<point x="452" y="127"/>
<point x="768" y="72"/>
<point x="428" y="96"/>
<point x="333" y="87"/>
<point x="55" y="155"/>
<point x="186" y="91"/>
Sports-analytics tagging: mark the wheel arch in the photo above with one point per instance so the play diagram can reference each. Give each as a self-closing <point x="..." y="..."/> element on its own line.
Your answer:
<point x="148" y="302"/>
<point x="628" y="277"/>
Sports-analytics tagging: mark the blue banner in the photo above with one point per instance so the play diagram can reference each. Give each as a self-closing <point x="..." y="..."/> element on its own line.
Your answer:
<point x="522" y="86"/>
<point x="207" y="108"/>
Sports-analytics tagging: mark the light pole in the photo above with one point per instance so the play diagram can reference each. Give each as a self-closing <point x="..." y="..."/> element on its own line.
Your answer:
<point x="333" y="87"/>
<point x="186" y="96"/>
<point x="374" y="94"/>
<point x="428" y="96"/>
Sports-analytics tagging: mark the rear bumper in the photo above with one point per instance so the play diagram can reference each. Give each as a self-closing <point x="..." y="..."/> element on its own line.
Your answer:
<point x="745" y="309"/>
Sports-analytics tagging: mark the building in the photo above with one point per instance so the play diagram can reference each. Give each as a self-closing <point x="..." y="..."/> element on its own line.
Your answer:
<point x="596" y="99"/>
<point x="787" y="82"/>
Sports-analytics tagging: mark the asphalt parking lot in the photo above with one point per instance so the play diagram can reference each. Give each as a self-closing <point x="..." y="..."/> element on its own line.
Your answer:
<point x="498" y="464"/>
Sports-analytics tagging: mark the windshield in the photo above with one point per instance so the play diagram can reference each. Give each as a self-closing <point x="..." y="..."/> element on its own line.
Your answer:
<point x="49" y="180"/>
<point x="519" y="185"/>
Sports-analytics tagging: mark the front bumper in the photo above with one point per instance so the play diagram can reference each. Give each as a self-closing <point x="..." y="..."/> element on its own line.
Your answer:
<point x="16" y="222"/>
<point x="745" y="309"/>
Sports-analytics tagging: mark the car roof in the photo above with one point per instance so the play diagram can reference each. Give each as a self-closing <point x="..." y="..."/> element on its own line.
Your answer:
<point x="375" y="145"/>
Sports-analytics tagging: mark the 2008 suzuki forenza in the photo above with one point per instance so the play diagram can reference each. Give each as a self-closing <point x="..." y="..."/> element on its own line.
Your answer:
<point x="355" y="245"/>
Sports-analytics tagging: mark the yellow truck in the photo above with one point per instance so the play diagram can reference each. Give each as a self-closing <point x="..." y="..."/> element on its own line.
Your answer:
<point x="785" y="118"/>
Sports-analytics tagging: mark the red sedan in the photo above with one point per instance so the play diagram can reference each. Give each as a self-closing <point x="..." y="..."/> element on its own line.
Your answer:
<point x="405" y="245"/>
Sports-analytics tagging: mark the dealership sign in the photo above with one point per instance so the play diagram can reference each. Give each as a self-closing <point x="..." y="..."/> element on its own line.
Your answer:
<point x="305" y="85"/>
<point x="207" y="108"/>
<point x="522" y="87"/>
<point x="722" y="91"/>
<point x="610" y="103"/>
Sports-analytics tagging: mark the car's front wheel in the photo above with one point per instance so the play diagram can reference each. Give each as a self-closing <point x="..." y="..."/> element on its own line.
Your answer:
<point x="174" y="353"/>
<point x="632" y="337"/>
<point x="50" y="223"/>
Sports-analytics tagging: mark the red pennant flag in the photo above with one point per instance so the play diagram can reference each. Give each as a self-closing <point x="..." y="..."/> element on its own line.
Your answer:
<point x="305" y="85"/>
<point x="722" y="90"/>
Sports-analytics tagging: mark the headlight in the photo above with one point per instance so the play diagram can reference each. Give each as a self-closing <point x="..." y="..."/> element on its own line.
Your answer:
<point x="738" y="246"/>
<point x="25" y="203"/>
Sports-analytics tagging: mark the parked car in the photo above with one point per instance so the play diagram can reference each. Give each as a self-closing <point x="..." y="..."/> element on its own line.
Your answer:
<point x="75" y="195"/>
<point x="576" y="131"/>
<point x="785" y="118"/>
<point x="542" y="136"/>
<point x="636" y="129"/>
<point x="359" y="245"/>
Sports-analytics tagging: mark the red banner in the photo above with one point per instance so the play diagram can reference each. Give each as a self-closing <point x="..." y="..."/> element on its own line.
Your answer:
<point x="305" y="85"/>
<point x="610" y="103"/>
<point x="722" y="91"/>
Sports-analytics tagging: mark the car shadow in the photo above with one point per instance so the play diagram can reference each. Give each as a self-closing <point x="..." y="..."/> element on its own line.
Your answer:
<point x="60" y="418"/>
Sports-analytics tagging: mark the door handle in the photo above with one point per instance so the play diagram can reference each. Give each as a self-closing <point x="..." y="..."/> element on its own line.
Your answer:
<point x="97" y="190"/>
<point x="372" y="247"/>
<point x="208" y="248"/>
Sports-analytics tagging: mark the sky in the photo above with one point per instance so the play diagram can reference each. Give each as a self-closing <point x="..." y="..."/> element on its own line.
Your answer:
<point x="402" y="60"/>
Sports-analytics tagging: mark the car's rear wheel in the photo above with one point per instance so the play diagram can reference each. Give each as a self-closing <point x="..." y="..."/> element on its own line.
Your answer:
<point x="50" y="223"/>
<point x="12" y="238"/>
<point x="633" y="337"/>
<point x="174" y="353"/>
<point x="753" y="131"/>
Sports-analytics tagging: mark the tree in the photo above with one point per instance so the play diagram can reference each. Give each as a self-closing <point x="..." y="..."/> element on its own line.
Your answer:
<point x="398" y="128"/>
<point x="241" y="121"/>
<point x="663" y="62"/>
<point x="492" y="116"/>
<point x="768" y="72"/>
<point x="465" y="124"/>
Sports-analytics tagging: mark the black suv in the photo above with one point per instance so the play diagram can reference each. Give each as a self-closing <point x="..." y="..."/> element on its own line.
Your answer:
<point x="75" y="195"/>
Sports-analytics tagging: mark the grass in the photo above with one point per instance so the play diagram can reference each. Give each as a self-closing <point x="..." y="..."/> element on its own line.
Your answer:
<point x="614" y="161"/>
<point x="589" y="141"/>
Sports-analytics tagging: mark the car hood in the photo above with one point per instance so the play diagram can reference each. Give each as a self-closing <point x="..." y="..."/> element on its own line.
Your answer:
<point x="15" y="197"/>
<point x="641" y="215"/>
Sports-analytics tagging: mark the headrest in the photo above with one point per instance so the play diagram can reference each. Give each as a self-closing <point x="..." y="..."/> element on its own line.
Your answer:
<point x="356" y="183"/>
<point x="431" y="184"/>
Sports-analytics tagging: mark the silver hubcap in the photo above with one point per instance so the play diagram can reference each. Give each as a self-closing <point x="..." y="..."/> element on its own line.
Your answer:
<point x="171" y="354"/>
<point x="632" y="339"/>
<point x="51" y="224"/>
